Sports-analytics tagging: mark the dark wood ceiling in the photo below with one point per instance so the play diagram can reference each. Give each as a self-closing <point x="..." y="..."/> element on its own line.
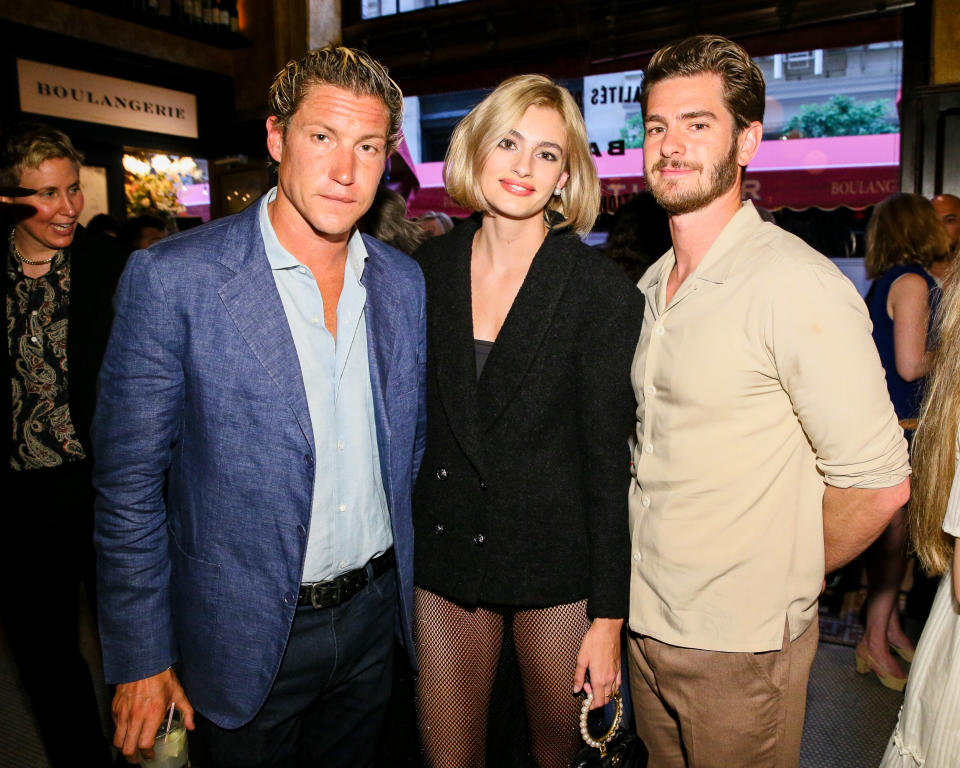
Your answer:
<point x="477" y="43"/>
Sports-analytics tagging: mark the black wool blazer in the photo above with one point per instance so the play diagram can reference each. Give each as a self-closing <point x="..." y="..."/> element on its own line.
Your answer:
<point x="521" y="498"/>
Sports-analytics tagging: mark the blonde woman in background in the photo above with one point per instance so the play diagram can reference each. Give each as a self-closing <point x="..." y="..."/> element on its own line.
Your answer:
<point x="928" y="731"/>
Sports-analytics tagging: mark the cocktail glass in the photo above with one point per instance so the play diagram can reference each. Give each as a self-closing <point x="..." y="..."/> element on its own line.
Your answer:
<point x="169" y="747"/>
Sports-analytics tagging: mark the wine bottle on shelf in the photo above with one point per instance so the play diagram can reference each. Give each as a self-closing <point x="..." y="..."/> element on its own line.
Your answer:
<point x="234" y="16"/>
<point x="224" y="17"/>
<point x="215" y="26"/>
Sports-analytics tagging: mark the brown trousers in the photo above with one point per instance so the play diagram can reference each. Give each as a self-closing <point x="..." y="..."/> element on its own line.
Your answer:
<point x="710" y="709"/>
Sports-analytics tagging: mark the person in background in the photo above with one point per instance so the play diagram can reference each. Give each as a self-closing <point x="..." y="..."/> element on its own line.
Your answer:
<point x="59" y="280"/>
<point x="520" y="512"/>
<point x="259" y="426"/>
<point x="639" y="235"/>
<point x="948" y="211"/>
<point x="105" y="225"/>
<point x="387" y="221"/>
<point x="767" y="450"/>
<point x="143" y="231"/>
<point x="928" y="730"/>
<point x="435" y="223"/>
<point x="903" y="239"/>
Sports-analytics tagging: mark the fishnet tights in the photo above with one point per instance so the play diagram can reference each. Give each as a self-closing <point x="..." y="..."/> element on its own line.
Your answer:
<point x="458" y="650"/>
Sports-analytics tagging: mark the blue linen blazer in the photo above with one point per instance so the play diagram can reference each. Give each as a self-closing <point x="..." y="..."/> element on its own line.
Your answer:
<point x="205" y="458"/>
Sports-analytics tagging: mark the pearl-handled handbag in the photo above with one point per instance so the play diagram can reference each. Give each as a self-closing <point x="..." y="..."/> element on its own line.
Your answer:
<point x="617" y="748"/>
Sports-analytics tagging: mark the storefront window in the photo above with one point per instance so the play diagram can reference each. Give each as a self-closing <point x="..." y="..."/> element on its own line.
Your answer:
<point x="372" y="9"/>
<point x="833" y="92"/>
<point x="831" y="131"/>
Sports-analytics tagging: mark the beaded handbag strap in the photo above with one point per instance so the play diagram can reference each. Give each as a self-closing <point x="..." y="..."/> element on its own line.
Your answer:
<point x="600" y="743"/>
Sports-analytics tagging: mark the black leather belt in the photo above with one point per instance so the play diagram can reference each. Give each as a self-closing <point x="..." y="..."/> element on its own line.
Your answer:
<point x="328" y="594"/>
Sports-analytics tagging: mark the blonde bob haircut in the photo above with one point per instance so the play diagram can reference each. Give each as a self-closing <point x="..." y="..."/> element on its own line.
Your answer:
<point x="478" y="133"/>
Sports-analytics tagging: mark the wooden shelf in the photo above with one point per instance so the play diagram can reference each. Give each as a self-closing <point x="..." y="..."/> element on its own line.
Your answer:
<point x="120" y="9"/>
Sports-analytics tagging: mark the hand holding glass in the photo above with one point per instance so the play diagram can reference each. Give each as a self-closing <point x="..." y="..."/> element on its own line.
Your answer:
<point x="170" y="745"/>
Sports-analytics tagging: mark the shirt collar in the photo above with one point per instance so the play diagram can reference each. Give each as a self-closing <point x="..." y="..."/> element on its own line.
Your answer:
<point x="720" y="258"/>
<point x="280" y="258"/>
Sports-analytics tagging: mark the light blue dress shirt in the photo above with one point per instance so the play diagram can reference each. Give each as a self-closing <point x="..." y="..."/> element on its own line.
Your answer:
<point x="349" y="518"/>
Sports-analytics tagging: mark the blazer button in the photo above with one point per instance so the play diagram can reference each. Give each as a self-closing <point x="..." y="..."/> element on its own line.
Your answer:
<point x="438" y="528"/>
<point x="441" y="473"/>
<point x="308" y="460"/>
<point x="483" y="485"/>
<point x="289" y="598"/>
<point x="302" y="531"/>
<point x="479" y="539"/>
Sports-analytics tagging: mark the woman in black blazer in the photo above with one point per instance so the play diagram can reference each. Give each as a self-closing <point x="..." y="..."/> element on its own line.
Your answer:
<point x="520" y="507"/>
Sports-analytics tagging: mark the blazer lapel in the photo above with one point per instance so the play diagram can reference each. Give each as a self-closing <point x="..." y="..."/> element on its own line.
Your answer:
<point x="452" y="354"/>
<point x="380" y="310"/>
<point x="526" y="325"/>
<point x="253" y="302"/>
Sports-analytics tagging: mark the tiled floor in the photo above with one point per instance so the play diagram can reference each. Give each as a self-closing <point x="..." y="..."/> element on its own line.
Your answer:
<point x="849" y="717"/>
<point x="19" y="745"/>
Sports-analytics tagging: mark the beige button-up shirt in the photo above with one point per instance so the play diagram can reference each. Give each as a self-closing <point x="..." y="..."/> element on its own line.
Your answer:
<point x="756" y="385"/>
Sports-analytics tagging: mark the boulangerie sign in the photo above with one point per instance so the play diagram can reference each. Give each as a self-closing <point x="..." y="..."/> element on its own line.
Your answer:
<point x="49" y="90"/>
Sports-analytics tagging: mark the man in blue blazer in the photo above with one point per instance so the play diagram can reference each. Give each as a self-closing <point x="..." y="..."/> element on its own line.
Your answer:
<point x="259" y="425"/>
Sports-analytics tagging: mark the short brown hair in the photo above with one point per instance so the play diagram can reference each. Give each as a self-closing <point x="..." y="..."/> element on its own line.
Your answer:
<point x="904" y="229"/>
<point x="478" y="133"/>
<point x="28" y="145"/>
<point x="346" y="68"/>
<point x="744" y="88"/>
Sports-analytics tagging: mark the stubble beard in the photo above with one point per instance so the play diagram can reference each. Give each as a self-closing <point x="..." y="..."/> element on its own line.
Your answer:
<point x="724" y="174"/>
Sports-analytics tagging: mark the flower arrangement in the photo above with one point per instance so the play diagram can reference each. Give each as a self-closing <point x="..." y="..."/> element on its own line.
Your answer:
<point x="152" y="187"/>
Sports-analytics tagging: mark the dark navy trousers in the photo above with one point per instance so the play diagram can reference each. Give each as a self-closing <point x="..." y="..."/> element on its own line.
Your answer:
<point x="329" y="700"/>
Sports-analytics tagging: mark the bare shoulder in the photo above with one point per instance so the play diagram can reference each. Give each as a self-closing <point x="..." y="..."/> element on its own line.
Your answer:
<point x="909" y="283"/>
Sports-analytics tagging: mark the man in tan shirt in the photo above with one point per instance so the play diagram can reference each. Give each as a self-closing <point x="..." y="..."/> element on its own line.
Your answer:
<point x="768" y="452"/>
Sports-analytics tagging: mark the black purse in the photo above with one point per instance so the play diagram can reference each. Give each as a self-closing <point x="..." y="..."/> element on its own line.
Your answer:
<point x="617" y="748"/>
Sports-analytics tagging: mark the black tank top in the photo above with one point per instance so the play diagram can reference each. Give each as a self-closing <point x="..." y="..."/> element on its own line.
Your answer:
<point x="481" y="349"/>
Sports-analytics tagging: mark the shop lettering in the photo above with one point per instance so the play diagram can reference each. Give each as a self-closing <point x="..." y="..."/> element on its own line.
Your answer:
<point x="617" y="94"/>
<point x="617" y="193"/>
<point x="751" y="189"/>
<point x="619" y="189"/>
<point x="116" y="102"/>
<point x="617" y="147"/>
<point x="861" y="187"/>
